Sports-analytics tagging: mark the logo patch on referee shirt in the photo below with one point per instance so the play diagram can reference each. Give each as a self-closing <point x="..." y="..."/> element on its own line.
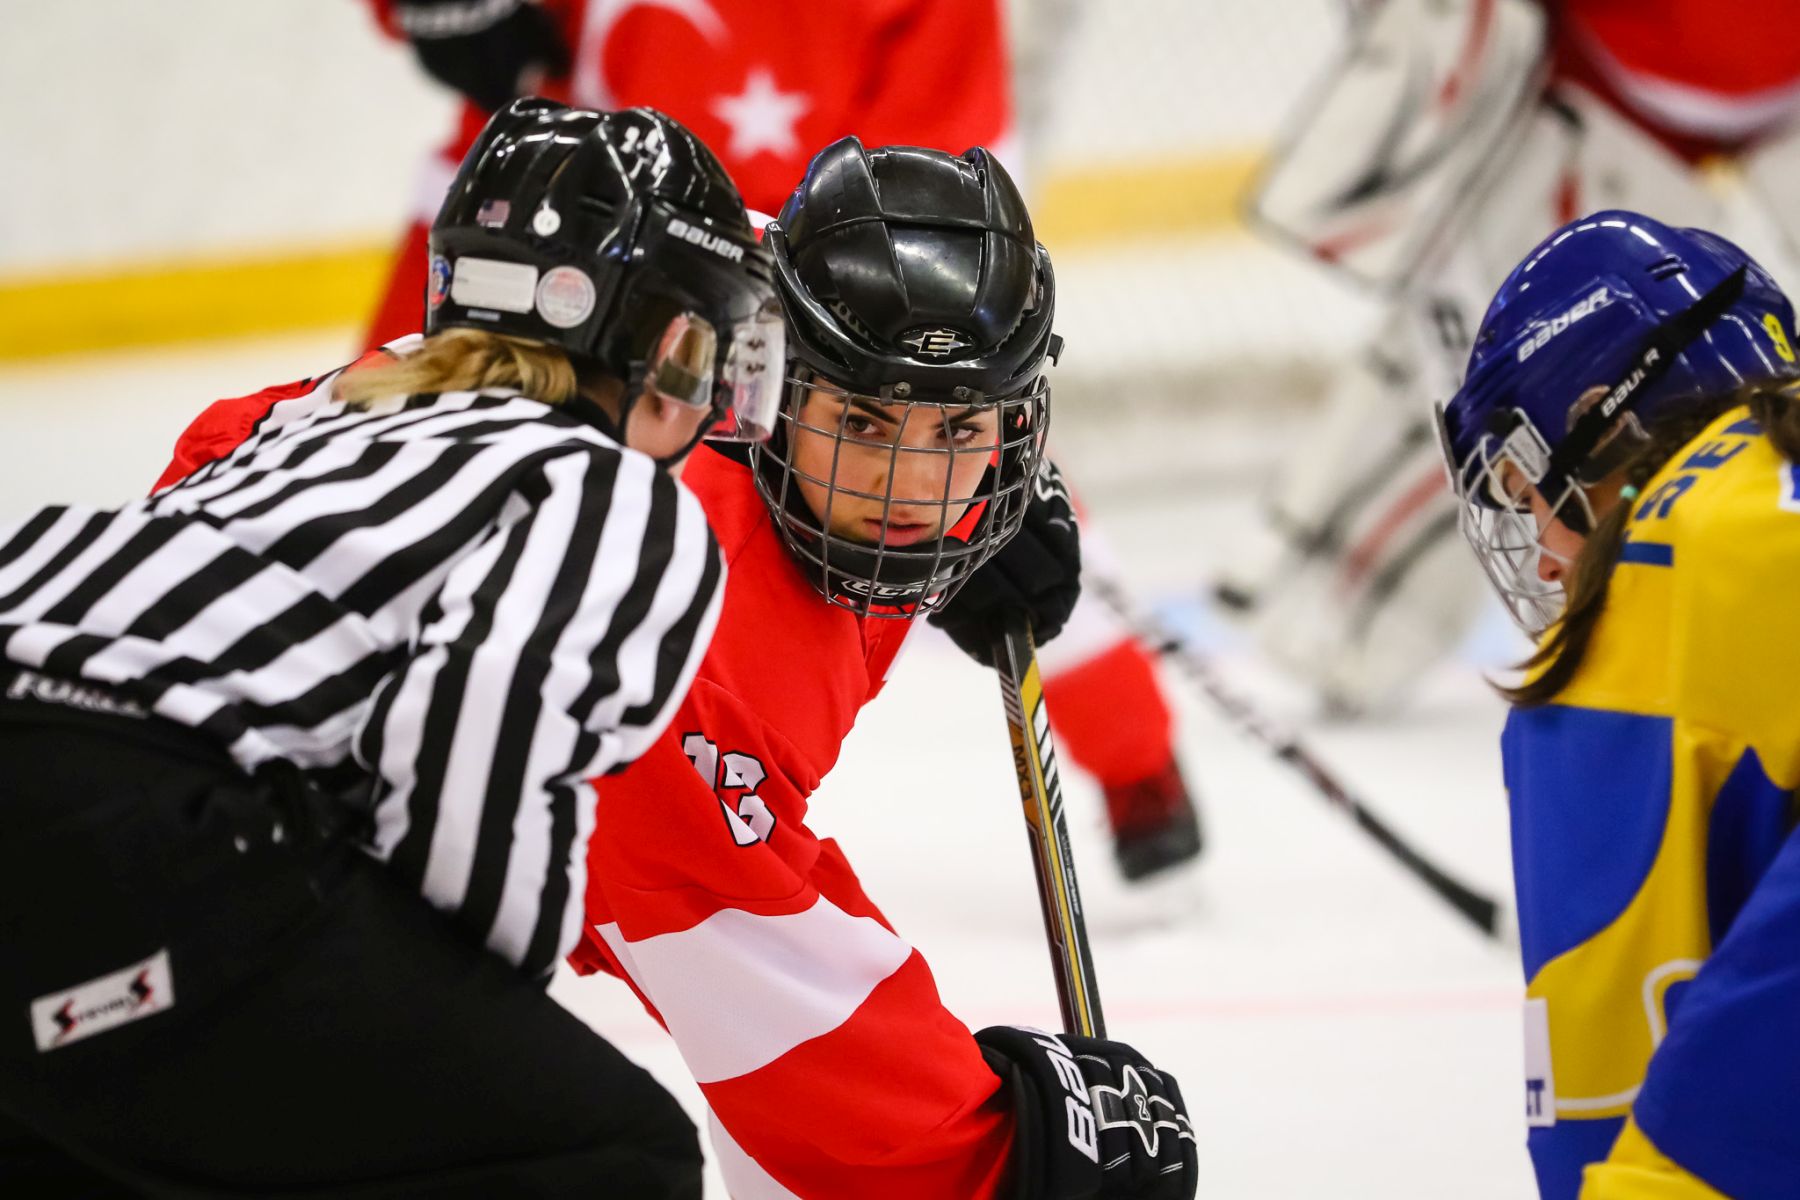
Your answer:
<point x="128" y="994"/>
<point x="88" y="697"/>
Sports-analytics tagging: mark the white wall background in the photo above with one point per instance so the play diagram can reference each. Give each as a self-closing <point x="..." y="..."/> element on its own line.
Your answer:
<point x="152" y="130"/>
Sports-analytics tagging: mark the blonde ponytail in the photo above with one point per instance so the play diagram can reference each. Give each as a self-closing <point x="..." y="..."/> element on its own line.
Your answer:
<point x="465" y="360"/>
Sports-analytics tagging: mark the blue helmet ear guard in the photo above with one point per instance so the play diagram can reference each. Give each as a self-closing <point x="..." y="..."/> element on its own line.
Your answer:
<point x="1610" y="322"/>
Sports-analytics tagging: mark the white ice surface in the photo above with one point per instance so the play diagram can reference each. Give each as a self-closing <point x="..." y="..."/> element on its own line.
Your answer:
<point x="1337" y="1032"/>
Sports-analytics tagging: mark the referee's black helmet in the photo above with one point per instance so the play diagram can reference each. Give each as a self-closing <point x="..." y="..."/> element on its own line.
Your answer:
<point x="607" y="234"/>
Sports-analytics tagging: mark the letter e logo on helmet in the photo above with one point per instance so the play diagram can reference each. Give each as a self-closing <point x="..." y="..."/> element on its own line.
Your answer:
<point x="937" y="343"/>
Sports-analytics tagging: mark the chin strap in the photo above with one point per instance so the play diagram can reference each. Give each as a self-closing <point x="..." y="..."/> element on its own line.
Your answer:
<point x="693" y="444"/>
<point x="1650" y="364"/>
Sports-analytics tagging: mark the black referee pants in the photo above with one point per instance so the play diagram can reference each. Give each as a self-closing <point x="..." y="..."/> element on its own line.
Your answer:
<point x="204" y="994"/>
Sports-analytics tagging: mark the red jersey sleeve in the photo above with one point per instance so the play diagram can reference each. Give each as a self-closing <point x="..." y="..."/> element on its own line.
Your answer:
<point x="224" y="425"/>
<point x="220" y="428"/>
<point x="815" y="1031"/>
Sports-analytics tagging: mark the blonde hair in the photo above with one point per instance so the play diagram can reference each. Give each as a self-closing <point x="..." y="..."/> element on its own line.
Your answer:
<point x="465" y="360"/>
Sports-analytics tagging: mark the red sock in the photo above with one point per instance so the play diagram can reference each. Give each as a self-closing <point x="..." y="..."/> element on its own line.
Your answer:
<point x="1110" y="717"/>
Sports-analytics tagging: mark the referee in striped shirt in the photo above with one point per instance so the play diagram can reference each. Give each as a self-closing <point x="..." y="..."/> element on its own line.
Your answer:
<point x="294" y="755"/>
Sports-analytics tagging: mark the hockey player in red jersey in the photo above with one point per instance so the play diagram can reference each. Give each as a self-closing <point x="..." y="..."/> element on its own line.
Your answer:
<point x="753" y="88"/>
<point x="903" y="480"/>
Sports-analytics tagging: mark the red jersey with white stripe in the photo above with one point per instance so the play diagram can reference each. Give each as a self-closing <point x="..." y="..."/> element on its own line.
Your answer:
<point x="1704" y="76"/>
<point x="815" y="1031"/>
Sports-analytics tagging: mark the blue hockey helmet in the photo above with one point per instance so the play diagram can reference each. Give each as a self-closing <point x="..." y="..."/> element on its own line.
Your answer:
<point x="1612" y="320"/>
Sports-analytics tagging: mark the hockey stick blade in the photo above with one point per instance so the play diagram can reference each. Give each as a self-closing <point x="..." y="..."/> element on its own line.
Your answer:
<point x="1477" y="908"/>
<point x="1040" y="792"/>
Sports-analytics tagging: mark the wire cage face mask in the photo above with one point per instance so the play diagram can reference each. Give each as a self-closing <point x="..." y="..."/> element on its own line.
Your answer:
<point x="1492" y="484"/>
<point x="889" y="502"/>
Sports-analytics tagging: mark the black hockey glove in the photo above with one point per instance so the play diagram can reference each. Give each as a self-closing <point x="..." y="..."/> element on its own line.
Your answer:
<point x="1095" y="1121"/>
<point x="489" y="50"/>
<point x="1037" y="573"/>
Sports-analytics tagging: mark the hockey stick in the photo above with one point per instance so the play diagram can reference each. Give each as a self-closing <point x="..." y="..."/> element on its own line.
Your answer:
<point x="1034" y="758"/>
<point x="1480" y="910"/>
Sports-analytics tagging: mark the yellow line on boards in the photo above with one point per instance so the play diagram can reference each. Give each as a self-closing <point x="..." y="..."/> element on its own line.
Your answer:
<point x="1188" y="197"/>
<point x="153" y="305"/>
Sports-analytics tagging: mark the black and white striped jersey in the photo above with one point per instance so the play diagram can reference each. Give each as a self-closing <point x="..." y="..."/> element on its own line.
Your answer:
<point x="476" y="598"/>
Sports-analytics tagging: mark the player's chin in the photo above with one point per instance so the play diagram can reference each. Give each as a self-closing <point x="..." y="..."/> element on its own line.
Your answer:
<point x="890" y="534"/>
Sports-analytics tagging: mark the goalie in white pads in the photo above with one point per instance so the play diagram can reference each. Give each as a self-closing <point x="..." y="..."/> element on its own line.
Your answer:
<point x="1447" y="141"/>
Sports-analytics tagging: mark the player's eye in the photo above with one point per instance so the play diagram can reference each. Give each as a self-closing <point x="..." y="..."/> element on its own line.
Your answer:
<point x="1508" y="489"/>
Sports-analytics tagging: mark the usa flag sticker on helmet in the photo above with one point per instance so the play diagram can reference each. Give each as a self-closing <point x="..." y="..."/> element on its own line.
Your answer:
<point x="565" y="297"/>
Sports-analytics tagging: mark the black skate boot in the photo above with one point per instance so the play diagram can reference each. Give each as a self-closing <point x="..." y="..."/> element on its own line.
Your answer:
<point x="1155" y="824"/>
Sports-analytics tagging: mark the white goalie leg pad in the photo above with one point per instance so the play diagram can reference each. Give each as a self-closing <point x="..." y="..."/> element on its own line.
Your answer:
<point x="1362" y="581"/>
<point x="1332" y="468"/>
<point x="1763" y="216"/>
<point x="1401" y="131"/>
<point x="1397" y="592"/>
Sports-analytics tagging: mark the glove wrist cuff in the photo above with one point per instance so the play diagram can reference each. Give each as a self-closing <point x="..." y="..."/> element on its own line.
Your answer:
<point x="1056" y="1146"/>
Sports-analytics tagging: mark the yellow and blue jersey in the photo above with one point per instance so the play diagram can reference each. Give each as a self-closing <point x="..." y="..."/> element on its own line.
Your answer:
<point x="1658" y="885"/>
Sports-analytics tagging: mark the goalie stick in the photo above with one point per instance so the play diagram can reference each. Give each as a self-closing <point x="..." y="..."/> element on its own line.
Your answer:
<point x="1477" y="908"/>
<point x="1034" y="758"/>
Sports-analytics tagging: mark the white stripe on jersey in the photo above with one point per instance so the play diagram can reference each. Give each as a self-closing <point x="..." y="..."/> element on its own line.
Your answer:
<point x="790" y="979"/>
<point x="479" y="599"/>
<point x="745" y="1178"/>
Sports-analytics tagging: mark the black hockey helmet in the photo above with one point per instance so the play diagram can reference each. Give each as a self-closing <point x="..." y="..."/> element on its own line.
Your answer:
<point x="912" y="282"/>
<point x="613" y="235"/>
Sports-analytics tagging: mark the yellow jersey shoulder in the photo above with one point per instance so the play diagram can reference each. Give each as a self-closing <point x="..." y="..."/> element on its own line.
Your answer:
<point x="1706" y="580"/>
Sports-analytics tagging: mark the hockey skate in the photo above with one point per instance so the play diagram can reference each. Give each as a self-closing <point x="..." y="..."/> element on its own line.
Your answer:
<point x="1156" y="826"/>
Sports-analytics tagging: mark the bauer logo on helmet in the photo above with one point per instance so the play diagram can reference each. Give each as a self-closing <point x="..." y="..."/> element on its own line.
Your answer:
<point x="1592" y="303"/>
<point x="696" y="236"/>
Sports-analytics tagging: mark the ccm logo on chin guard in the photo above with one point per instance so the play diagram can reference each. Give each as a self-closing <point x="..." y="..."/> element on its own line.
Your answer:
<point x="696" y="236"/>
<point x="1084" y="1134"/>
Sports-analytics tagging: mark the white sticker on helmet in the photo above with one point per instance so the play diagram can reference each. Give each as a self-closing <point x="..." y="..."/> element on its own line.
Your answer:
<point x="565" y="297"/>
<point x="489" y="283"/>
